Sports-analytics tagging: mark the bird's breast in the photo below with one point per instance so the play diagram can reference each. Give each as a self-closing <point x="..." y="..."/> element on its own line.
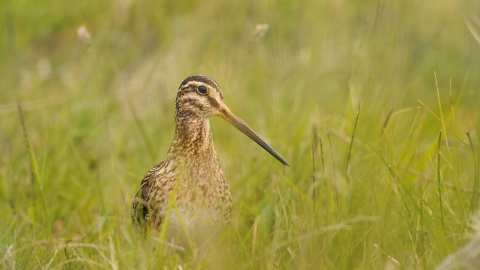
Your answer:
<point x="201" y="195"/>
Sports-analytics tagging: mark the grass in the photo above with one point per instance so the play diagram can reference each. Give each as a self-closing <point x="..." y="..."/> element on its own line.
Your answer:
<point x="377" y="189"/>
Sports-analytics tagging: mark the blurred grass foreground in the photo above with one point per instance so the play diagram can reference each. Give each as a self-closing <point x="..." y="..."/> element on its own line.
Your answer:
<point x="376" y="105"/>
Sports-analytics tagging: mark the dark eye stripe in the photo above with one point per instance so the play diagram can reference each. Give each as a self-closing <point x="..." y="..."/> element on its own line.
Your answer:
<point x="213" y="102"/>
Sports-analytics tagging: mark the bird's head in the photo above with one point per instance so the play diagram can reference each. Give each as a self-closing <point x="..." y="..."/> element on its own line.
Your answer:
<point x="201" y="97"/>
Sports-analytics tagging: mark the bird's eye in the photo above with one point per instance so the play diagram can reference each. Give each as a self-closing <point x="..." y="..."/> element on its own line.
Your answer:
<point x="202" y="89"/>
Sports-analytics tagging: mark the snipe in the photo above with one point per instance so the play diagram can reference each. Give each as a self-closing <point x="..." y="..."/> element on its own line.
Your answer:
<point x="188" y="189"/>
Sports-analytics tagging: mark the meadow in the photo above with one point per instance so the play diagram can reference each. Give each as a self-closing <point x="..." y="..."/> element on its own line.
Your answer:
<point x="375" y="104"/>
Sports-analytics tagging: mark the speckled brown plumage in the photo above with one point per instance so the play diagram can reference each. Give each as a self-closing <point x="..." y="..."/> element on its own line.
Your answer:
<point x="191" y="174"/>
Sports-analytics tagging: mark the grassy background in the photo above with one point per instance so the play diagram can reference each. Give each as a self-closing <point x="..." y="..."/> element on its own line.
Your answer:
<point x="100" y="115"/>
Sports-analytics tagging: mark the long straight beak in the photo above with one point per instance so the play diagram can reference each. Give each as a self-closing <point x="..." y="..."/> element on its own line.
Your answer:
<point x="226" y="114"/>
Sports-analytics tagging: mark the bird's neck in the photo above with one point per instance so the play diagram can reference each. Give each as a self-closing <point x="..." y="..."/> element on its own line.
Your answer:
<point x="193" y="139"/>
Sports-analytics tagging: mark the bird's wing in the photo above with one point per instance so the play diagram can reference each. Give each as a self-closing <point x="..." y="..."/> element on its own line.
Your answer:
<point x="139" y="212"/>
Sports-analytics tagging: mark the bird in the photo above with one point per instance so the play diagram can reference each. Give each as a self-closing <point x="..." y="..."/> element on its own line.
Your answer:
<point x="188" y="191"/>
